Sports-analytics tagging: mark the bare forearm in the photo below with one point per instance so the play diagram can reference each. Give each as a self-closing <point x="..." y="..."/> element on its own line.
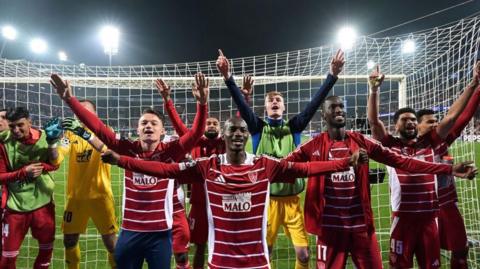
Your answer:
<point x="376" y="125"/>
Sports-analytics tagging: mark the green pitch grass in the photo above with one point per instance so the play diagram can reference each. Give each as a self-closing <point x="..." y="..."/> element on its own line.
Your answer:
<point x="95" y="256"/>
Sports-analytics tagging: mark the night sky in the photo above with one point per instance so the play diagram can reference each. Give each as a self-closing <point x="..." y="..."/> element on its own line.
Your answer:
<point x="175" y="31"/>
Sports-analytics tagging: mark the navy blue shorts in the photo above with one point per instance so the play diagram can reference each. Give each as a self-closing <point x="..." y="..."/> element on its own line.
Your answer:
<point x="133" y="248"/>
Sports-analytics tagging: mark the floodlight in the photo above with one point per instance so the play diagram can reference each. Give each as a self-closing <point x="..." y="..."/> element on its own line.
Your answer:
<point x="346" y="37"/>
<point x="38" y="45"/>
<point x="110" y="37"/>
<point x="62" y="56"/>
<point x="8" y="32"/>
<point x="371" y="64"/>
<point x="408" y="46"/>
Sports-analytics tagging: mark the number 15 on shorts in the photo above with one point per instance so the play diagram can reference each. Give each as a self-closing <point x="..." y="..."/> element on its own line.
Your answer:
<point x="396" y="246"/>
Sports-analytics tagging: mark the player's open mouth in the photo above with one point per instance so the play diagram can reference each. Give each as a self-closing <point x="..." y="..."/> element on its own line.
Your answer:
<point x="275" y="107"/>
<point x="237" y="142"/>
<point x="339" y="117"/>
<point x="148" y="132"/>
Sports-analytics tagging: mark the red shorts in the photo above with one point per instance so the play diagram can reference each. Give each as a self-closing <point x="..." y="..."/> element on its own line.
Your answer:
<point x="333" y="248"/>
<point x="16" y="224"/>
<point x="451" y="228"/>
<point x="180" y="232"/>
<point x="198" y="224"/>
<point x="414" y="235"/>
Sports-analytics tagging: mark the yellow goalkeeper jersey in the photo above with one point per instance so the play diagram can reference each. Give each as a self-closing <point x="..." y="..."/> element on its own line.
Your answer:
<point x="88" y="176"/>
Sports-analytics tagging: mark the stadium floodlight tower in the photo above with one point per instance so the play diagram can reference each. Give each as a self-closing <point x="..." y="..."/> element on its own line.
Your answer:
<point x="62" y="56"/>
<point x="346" y="37"/>
<point x="109" y="36"/>
<point x="9" y="34"/>
<point x="38" y="45"/>
<point x="408" y="46"/>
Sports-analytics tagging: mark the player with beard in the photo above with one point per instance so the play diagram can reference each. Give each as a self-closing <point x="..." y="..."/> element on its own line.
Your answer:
<point x="452" y="232"/>
<point x="338" y="205"/>
<point x="148" y="201"/>
<point x="277" y="137"/>
<point x="236" y="184"/>
<point x="210" y="143"/>
<point x="27" y="155"/>
<point x="414" y="197"/>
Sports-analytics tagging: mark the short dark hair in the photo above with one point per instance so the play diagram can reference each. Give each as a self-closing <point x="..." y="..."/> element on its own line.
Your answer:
<point x="88" y="101"/>
<point x="3" y="109"/>
<point x="150" y="110"/>
<point x="14" y="114"/>
<point x="330" y="98"/>
<point x="423" y="112"/>
<point x="401" y="111"/>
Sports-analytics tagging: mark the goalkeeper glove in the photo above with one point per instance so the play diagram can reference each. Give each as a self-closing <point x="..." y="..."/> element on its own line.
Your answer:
<point x="73" y="125"/>
<point x="53" y="130"/>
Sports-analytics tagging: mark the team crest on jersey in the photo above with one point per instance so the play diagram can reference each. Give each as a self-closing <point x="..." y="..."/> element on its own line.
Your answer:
<point x="143" y="181"/>
<point x="345" y="176"/>
<point x="253" y="176"/>
<point x="239" y="202"/>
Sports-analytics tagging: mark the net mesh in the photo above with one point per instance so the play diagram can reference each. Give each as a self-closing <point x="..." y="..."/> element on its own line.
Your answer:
<point x="433" y="76"/>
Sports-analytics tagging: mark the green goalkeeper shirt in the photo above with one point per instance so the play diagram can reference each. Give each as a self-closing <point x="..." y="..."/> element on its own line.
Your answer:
<point x="278" y="141"/>
<point x="28" y="194"/>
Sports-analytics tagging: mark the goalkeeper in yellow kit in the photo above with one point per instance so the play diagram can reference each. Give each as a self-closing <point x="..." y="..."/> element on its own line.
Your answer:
<point x="89" y="191"/>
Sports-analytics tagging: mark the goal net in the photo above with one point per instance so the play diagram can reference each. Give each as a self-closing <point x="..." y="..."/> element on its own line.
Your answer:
<point x="430" y="77"/>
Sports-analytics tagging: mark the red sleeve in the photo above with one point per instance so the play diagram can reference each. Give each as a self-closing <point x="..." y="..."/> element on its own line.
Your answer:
<point x="190" y="139"/>
<point x="464" y="117"/>
<point x="183" y="171"/>
<point x="5" y="175"/>
<point x="384" y="155"/>
<point x="93" y="123"/>
<point x="49" y="167"/>
<point x="283" y="170"/>
<point x="177" y="123"/>
<point x="300" y="154"/>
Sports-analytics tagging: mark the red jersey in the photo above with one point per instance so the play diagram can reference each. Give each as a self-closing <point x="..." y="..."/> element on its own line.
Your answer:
<point x="317" y="149"/>
<point x="205" y="147"/>
<point x="343" y="208"/>
<point x="147" y="201"/>
<point x="415" y="192"/>
<point x="237" y="200"/>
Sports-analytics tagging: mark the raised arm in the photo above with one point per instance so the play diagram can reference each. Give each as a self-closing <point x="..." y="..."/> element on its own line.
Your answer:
<point x="458" y="106"/>
<point x="299" y="122"/>
<point x="201" y="93"/>
<point x="254" y="123"/>
<point x="465" y="117"/>
<point x="169" y="106"/>
<point x="377" y="127"/>
<point x="88" y="118"/>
